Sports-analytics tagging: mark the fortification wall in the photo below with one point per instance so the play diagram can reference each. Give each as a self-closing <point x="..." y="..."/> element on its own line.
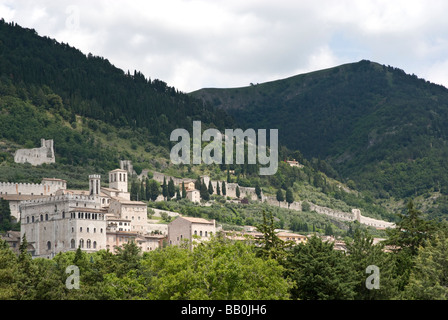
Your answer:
<point x="36" y="156"/>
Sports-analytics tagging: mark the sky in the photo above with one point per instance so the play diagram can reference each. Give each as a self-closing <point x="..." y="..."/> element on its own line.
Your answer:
<point x="193" y="44"/>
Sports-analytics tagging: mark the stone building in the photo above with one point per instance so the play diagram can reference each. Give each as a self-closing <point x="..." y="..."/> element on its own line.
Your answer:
<point x="14" y="193"/>
<point x="63" y="222"/>
<point x="36" y="156"/>
<point x="190" y="228"/>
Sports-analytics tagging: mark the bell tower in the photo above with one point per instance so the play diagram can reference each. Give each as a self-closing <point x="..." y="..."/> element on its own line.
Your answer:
<point x="94" y="184"/>
<point x="118" y="179"/>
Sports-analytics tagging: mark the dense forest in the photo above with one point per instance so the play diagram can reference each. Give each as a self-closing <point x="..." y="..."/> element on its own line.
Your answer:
<point x="91" y="86"/>
<point x="375" y="124"/>
<point x="412" y="267"/>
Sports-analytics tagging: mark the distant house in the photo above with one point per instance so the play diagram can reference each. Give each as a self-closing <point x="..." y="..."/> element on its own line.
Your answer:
<point x="294" y="163"/>
<point x="194" y="195"/>
<point x="187" y="228"/>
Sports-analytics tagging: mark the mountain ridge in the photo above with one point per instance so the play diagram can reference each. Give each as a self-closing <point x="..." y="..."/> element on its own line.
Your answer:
<point x="364" y="118"/>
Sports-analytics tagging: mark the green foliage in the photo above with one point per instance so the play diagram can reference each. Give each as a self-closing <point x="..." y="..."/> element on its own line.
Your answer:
<point x="381" y="129"/>
<point x="319" y="272"/>
<point x="215" y="270"/>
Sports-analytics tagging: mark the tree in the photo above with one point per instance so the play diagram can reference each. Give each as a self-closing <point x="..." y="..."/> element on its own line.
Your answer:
<point x="258" y="190"/>
<point x="184" y="191"/>
<point x="219" y="269"/>
<point x="429" y="277"/>
<point x="289" y="196"/>
<point x="319" y="272"/>
<point x="171" y="188"/>
<point x="178" y="196"/>
<point x="218" y="190"/>
<point x="135" y="190"/>
<point x="224" y="189"/>
<point x="280" y="196"/>
<point x="153" y="188"/>
<point x="411" y="233"/>
<point x="164" y="189"/>
<point x="271" y="246"/>
<point x="203" y="191"/>
<point x="210" y="187"/>
<point x="142" y="196"/>
<point x="363" y="253"/>
<point x="237" y="191"/>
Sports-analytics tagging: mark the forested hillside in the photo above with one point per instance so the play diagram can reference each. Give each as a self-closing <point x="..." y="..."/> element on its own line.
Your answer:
<point x="375" y="124"/>
<point x="91" y="86"/>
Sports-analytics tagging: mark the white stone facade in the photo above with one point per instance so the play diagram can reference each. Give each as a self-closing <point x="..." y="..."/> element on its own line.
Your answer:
<point x="63" y="223"/>
<point x="189" y="228"/>
<point x="36" y="156"/>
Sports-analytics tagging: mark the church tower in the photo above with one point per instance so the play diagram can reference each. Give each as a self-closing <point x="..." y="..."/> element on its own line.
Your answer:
<point x="118" y="179"/>
<point x="94" y="184"/>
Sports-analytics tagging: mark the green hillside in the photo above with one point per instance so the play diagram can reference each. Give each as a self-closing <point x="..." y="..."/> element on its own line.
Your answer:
<point x="375" y="124"/>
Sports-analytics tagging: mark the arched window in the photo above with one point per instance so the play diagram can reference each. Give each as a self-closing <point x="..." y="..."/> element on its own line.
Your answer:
<point x="72" y="244"/>
<point x="27" y="219"/>
<point x="81" y="243"/>
<point x="48" y="245"/>
<point x="200" y="233"/>
<point x="94" y="244"/>
<point x="46" y="217"/>
<point x="89" y="243"/>
<point x="41" y="217"/>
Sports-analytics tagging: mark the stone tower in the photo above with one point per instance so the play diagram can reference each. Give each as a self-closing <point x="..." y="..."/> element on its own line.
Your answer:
<point x="94" y="184"/>
<point x="118" y="179"/>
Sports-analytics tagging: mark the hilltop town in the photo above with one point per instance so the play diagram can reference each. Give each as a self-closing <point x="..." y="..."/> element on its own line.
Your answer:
<point x="57" y="219"/>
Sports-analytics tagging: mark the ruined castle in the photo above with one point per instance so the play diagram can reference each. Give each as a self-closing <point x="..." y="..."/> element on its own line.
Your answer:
<point x="36" y="156"/>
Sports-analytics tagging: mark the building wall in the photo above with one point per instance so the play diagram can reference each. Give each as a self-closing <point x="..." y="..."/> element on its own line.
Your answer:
<point x="36" y="156"/>
<point x="51" y="226"/>
<point x="182" y="229"/>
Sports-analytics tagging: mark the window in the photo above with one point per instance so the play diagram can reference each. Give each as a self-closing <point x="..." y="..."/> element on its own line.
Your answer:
<point x="81" y="243"/>
<point x="205" y="233"/>
<point x="41" y="217"/>
<point x="46" y="217"/>
<point x="94" y="244"/>
<point x="87" y="229"/>
<point x="32" y="219"/>
<point x="27" y="219"/>
<point x="200" y="233"/>
<point x="73" y="229"/>
<point x="89" y="243"/>
<point x="80" y="229"/>
<point x="195" y="233"/>
<point x="72" y="244"/>
<point x="48" y="245"/>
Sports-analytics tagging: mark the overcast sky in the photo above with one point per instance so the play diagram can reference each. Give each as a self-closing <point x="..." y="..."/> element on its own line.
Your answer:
<point x="230" y="43"/>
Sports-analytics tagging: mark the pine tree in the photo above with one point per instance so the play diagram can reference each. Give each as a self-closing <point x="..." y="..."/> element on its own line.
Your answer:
<point x="184" y="191"/>
<point x="224" y="189"/>
<point x="171" y="188"/>
<point x="210" y="187"/>
<point x="238" y="192"/>
<point x="280" y="196"/>
<point x="164" y="188"/>
<point x="218" y="191"/>
<point x="204" y="192"/>
<point x="289" y="196"/>
<point x="258" y="190"/>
